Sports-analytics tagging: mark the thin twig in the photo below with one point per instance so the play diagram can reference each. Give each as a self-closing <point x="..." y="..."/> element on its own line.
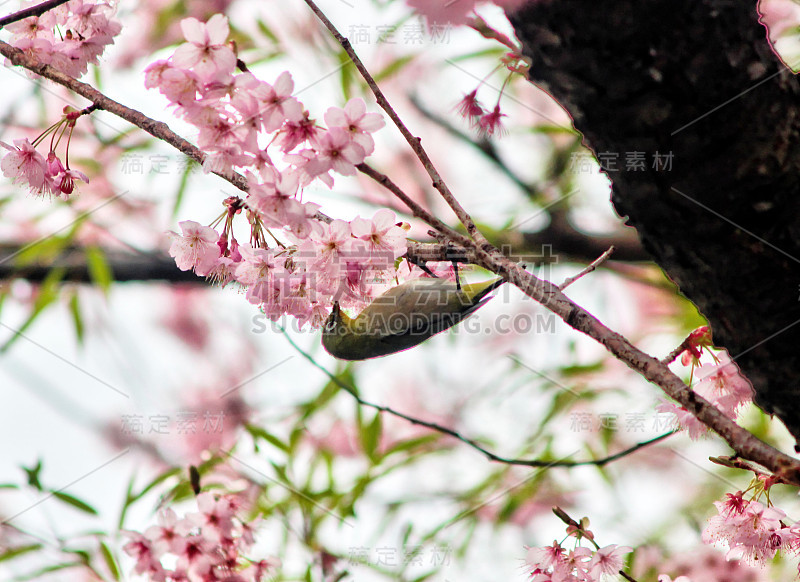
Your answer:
<point x="37" y="10"/>
<point x="450" y="432"/>
<point x="591" y="267"/>
<point x="414" y="142"/>
<point x="415" y="208"/>
<point x="480" y="26"/>
<point x="673" y="355"/>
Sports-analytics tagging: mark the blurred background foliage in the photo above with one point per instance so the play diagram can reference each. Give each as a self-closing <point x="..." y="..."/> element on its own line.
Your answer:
<point x="92" y="307"/>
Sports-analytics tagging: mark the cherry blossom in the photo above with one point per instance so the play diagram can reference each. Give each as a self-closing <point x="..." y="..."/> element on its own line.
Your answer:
<point x="608" y="560"/>
<point x="84" y="28"/>
<point x="65" y="181"/>
<point x="722" y="384"/>
<point x="489" y="124"/>
<point x="202" y="546"/>
<point x="25" y="164"/>
<point x="470" y="108"/>
<point x="258" y="271"/>
<point x="555" y="564"/>
<point x="276" y="102"/>
<point x="142" y="550"/>
<point x="753" y="532"/>
<point x="338" y="153"/>
<point x="178" y="85"/>
<point x="328" y="250"/>
<point x="167" y="536"/>
<point x="215" y="518"/>
<point x="297" y="131"/>
<point x="196" y="248"/>
<point x="698" y="340"/>
<point x="205" y="51"/>
<point x="355" y="119"/>
<point x="384" y="241"/>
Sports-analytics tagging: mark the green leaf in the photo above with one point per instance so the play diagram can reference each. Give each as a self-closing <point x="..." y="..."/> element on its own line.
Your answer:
<point x="412" y="444"/>
<point x="41" y="252"/>
<point x="12" y="553"/>
<point x="393" y="67"/>
<point x="3" y="296"/>
<point x="175" y="471"/>
<point x="111" y="562"/>
<point x="32" y="475"/>
<point x="492" y="53"/>
<point x="37" y="574"/>
<point x="48" y="293"/>
<point x="371" y="437"/>
<point x="267" y="31"/>
<point x="99" y="268"/>
<point x="549" y="129"/>
<point x="347" y="73"/>
<point x="191" y="165"/>
<point x="77" y="318"/>
<point x="74" y="502"/>
<point x="326" y="395"/>
<point x="45" y="250"/>
<point x="129" y="499"/>
<point x="83" y="555"/>
<point x="259" y="433"/>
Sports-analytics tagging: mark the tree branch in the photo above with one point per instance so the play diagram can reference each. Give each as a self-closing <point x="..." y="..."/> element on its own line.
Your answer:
<point x="124" y="267"/>
<point x="37" y="10"/>
<point x="157" y="129"/>
<point x="416" y="209"/>
<point x="697" y="81"/>
<point x="743" y="442"/>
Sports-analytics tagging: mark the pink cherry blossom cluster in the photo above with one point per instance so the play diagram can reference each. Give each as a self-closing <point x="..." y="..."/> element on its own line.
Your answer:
<point x="557" y="564"/>
<point x="348" y="262"/>
<point x="44" y="176"/>
<point x="241" y="121"/>
<point x="204" y="546"/>
<point x="447" y="11"/>
<point x="721" y="383"/>
<point x="753" y="532"/>
<point x="238" y="116"/>
<point x="69" y="37"/>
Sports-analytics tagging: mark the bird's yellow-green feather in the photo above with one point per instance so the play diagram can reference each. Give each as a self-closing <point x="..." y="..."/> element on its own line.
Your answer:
<point x="403" y="317"/>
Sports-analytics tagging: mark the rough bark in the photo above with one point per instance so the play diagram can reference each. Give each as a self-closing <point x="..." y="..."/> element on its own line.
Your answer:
<point x="696" y="79"/>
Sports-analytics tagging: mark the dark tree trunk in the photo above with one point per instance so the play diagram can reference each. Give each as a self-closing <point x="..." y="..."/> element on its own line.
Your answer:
<point x="696" y="83"/>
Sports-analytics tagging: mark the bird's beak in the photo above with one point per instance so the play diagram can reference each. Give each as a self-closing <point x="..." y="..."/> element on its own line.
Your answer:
<point x="333" y="318"/>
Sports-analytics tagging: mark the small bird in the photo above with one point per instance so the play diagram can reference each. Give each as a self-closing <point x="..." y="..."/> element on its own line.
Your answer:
<point x="403" y="317"/>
